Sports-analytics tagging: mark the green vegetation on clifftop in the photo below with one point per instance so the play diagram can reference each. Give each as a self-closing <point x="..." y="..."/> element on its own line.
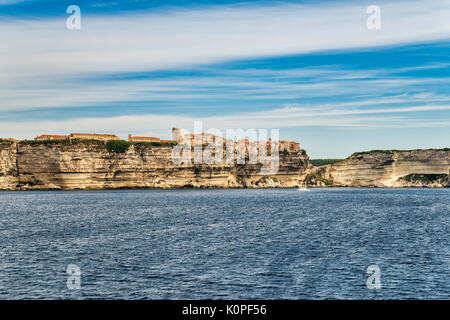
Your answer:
<point x="5" y="142"/>
<point x="323" y="162"/>
<point x="394" y="150"/>
<point x="113" y="146"/>
<point x="63" y="142"/>
<point x="117" y="146"/>
<point x="155" y="144"/>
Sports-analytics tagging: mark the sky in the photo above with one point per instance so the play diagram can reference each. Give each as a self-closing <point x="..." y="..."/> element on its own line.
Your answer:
<point x="312" y="69"/>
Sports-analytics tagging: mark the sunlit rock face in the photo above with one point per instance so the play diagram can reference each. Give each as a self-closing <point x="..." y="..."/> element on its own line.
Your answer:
<point x="71" y="166"/>
<point x="67" y="166"/>
<point x="415" y="168"/>
<point x="8" y="166"/>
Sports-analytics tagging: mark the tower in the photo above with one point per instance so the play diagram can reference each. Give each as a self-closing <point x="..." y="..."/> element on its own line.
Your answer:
<point x="177" y="134"/>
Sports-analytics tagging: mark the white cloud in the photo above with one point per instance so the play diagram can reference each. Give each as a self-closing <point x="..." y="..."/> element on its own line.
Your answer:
<point x="41" y="62"/>
<point x="75" y="92"/>
<point x="40" y="49"/>
<point x="159" y="125"/>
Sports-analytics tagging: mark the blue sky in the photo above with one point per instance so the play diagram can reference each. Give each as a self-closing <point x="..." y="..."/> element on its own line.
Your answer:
<point x="309" y="68"/>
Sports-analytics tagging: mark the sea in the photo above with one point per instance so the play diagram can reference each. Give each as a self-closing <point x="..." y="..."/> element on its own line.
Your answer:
<point x="322" y="243"/>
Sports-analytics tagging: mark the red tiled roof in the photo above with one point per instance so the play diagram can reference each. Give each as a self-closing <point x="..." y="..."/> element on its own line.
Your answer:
<point x="144" y="138"/>
<point x="93" y="135"/>
<point x="51" y="136"/>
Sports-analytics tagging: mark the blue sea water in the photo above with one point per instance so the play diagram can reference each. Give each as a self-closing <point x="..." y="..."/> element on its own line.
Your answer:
<point x="226" y="244"/>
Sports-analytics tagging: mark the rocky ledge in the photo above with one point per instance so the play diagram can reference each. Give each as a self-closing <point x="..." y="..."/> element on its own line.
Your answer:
<point x="88" y="165"/>
<point x="385" y="168"/>
<point x="74" y="165"/>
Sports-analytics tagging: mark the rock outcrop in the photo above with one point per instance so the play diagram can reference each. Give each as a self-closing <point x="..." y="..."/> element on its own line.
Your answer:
<point x="88" y="165"/>
<point x="391" y="168"/>
<point x="9" y="176"/>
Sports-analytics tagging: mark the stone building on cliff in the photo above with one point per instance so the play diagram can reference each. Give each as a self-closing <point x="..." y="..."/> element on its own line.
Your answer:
<point x="142" y="139"/>
<point x="86" y="136"/>
<point x="93" y="136"/>
<point x="47" y="137"/>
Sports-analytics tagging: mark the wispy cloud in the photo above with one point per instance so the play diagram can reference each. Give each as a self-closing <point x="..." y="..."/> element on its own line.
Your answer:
<point x="279" y="118"/>
<point x="150" y="41"/>
<point x="42" y="61"/>
<point x="114" y="59"/>
<point x="223" y="85"/>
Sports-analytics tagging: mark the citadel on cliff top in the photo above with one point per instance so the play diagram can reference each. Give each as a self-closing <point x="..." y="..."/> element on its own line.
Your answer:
<point x="177" y="137"/>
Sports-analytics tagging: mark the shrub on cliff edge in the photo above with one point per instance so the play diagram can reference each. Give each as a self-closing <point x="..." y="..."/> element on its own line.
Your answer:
<point x="118" y="146"/>
<point x="324" y="162"/>
<point x="155" y="144"/>
<point x="63" y="142"/>
<point x="6" y="142"/>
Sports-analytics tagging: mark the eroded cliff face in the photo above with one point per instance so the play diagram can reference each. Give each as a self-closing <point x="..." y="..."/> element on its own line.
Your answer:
<point x="8" y="166"/>
<point x="37" y="166"/>
<point x="415" y="168"/>
<point x="70" y="166"/>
